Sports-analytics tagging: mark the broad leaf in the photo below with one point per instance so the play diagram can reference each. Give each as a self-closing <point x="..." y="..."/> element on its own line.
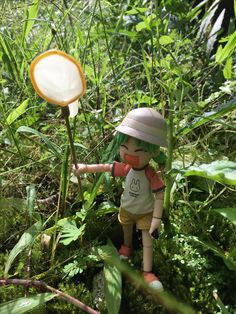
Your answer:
<point x="222" y="171"/>
<point x="25" y="241"/>
<point x="229" y="213"/>
<point x="208" y="116"/>
<point x="69" y="231"/>
<point x="23" y="305"/>
<point x="112" y="283"/>
<point x="16" y="113"/>
<point x="51" y="146"/>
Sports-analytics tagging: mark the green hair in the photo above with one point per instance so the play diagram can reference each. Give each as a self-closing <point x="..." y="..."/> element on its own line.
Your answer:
<point x="160" y="158"/>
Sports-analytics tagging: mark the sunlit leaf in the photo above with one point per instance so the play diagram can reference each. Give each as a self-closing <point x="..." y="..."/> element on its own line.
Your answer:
<point x="224" y="53"/>
<point x="140" y="26"/>
<point x="51" y="146"/>
<point x="16" y="113"/>
<point x="227" y="71"/>
<point x="23" y="305"/>
<point x="136" y="11"/>
<point x="222" y="171"/>
<point x="229" y="213"/>
<point x="165" y="40"/>
<point x="112" y="281"/>
<point x="25" y="241"/>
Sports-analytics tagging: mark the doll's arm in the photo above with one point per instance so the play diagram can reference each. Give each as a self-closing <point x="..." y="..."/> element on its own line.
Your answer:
<point x="84" y="168"/>
<point x="157" y="212"/>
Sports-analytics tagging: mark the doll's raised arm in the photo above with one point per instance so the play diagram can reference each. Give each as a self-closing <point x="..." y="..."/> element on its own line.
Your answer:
<point x="84" y="168"/>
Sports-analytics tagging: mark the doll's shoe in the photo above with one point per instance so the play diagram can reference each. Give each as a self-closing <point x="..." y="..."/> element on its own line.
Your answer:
<point x="153" y="281"/>
<point x="125" y="252"/>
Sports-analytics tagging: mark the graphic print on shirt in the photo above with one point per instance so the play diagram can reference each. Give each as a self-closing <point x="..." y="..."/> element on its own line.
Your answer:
<point x="134" y="187"/>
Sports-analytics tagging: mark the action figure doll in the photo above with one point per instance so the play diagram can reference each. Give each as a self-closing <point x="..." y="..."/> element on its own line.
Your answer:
<point x="139" y="136"/>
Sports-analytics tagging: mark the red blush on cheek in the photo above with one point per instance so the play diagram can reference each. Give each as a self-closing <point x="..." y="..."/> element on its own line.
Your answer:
<point x="131" y="160"/>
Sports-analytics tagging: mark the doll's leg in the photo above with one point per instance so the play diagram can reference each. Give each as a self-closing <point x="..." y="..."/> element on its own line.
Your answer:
<point x="126" y="250"/>
<point x="128" y="234"/>
<point x="148" y="261"/>
<point x="127" y="224"/>
<point x="147" y="251"/>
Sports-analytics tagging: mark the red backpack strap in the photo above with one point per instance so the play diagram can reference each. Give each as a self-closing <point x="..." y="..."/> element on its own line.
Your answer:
<point x="155" y="180"/>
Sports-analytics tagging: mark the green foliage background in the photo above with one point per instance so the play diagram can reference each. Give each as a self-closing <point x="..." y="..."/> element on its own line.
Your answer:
<point x="160" y="54"/>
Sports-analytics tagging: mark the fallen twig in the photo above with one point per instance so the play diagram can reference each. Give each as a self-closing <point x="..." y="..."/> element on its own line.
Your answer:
<point x="41" y="284"/>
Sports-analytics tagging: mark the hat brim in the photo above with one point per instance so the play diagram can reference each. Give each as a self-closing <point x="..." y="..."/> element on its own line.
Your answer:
<point x="142" y="136"/>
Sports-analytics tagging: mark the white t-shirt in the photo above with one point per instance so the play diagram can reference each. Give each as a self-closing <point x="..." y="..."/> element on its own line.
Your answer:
<point x="140" y="184"/>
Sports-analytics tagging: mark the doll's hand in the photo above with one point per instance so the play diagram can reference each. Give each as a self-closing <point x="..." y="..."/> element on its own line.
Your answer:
<point x="155" y="225"/>
<point x="81" y="168"/>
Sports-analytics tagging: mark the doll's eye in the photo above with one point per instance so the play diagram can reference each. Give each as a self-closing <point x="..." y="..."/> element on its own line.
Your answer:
<point x="123" y="145"/>
<point x="140" y="150"/>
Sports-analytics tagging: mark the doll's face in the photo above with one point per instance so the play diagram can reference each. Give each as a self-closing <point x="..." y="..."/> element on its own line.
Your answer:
<point x="133" y="154"/>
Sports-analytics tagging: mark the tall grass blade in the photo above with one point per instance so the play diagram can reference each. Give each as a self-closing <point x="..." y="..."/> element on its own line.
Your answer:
<point x="25" y="241"/>
<point x="16" y="113"/>
<point x="31" y="196"/>
<point x="51" y="146"/>
<point x="209" y="116"/>
<point x="31" y="14"/>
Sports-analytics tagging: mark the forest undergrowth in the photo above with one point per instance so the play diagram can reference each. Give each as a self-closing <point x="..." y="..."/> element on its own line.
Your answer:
<point x="176" y="57"/>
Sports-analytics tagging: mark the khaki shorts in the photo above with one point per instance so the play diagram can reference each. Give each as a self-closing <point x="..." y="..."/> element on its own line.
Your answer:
<point x="142" y="221"/>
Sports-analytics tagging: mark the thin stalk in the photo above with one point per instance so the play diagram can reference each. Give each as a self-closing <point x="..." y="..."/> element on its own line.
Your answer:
<point x="170" y="139"/>
<point x="65" y="113"/>
<point x="108" y="50"/>
<point x="64" y="181"/>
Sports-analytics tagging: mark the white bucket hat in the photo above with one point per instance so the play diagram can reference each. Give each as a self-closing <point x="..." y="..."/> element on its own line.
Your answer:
<point x="145" y="124"/>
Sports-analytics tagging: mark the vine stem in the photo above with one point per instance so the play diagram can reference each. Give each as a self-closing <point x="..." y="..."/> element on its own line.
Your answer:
<point x="41" y="284"/>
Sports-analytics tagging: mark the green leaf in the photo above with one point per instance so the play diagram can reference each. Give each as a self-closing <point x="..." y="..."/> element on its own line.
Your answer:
<point x="16" y="113"/>
<point x="229" y="262"/>
<point x="23" y="305"/>
<point x="227" y="71"/>
<point x="222" y="171"/>
<point x="31" y="196"/>
<point x="165" y="40"/>
<point x="140" y="26"/>
<point x="136" y="11"/>
<point x="69" y="231"/>
<point x="220" y="304"/>
<point x="229" y="213"/>
<point x="51" y="146"/>
<point x="112" y="280"/>
<point x="228" y="49"/>
<point x="25" y="241"/>
<point x="31" y="14"/>
<point x="208" y="116"/>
